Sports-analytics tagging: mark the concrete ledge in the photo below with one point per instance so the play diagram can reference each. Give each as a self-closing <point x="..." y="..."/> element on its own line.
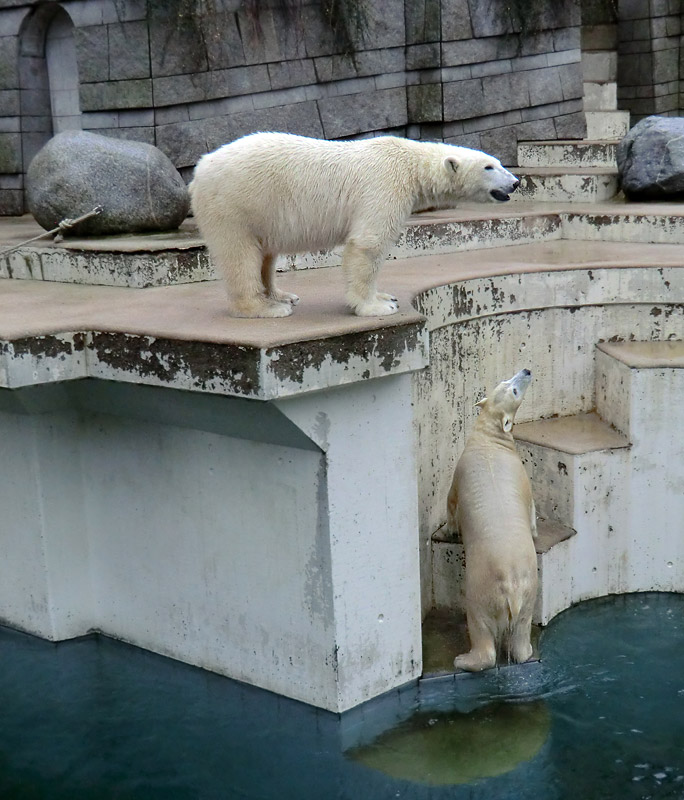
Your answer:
<point x="143" y="261"/>
<point x="182" y="336"/>
<point x="581" y="433"/>
<point x="646" y="355"/>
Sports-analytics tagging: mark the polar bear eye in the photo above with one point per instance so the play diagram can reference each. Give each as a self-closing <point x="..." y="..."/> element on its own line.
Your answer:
<point x="515" y="392"/>
<point x="489" y="166"/>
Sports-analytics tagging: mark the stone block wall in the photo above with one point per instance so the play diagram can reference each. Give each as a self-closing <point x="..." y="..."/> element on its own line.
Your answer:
<point x="650" y="64"/>
<point x="461" y="71"/>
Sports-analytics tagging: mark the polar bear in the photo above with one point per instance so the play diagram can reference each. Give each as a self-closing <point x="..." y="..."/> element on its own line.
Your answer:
<point x="268" y="194"/>
<point x="490" y="504"/>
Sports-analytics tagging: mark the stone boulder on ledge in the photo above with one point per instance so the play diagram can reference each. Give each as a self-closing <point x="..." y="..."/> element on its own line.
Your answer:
<point x="651" y="159"/>
<point x="137" y="186"/>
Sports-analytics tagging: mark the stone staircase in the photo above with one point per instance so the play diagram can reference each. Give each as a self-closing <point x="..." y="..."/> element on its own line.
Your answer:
<point x="579" y="170"/>
<point x="616" y="476"/>
<point x="608" y="486"/>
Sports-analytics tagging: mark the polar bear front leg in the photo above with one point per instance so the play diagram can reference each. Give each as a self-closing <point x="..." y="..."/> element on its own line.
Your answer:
<point x="268" y="272"/>
<point x="360" y="265"/>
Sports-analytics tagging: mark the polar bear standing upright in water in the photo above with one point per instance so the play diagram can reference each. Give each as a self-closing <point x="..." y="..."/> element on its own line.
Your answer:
<point x="273" y="193"/>
<point x="490" y="503"/>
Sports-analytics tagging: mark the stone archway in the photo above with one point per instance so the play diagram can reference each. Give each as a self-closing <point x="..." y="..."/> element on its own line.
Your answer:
<point x="48" y="78"/>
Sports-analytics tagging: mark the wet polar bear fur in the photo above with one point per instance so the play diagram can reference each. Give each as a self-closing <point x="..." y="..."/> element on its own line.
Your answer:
<point x="274" y="193"/>
<point x="490" y="503"/>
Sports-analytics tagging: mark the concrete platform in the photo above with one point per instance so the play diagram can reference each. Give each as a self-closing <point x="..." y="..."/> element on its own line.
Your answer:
<point x="182" y="336"/>
<point x="258" y="497"/>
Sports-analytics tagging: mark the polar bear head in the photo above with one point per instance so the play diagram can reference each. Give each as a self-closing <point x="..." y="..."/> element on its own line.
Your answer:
<point x="476" y="176"/>
<point x="505" y="400"/>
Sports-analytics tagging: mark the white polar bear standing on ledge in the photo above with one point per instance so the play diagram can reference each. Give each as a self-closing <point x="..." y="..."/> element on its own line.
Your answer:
<point x="274" y="193"/>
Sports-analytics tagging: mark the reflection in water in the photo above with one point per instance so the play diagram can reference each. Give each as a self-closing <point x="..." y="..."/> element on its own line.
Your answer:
<point x="450" y="748"/>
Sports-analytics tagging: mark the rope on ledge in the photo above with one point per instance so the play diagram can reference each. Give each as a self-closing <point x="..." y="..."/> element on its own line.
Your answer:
<point x="57" y="232"/>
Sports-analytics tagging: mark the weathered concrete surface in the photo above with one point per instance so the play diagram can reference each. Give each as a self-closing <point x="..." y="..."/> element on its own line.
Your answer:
<point x="140" y="261"/>
<point x="257" y="557"/>
<point x="617" y="478"/>
<point x="182" y="337"/>
<point x="547" y="302"/>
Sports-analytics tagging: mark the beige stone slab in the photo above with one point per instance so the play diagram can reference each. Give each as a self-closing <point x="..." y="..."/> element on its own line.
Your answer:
<point x="581" y="433"/>
<point x="198" y="312"/>
<point x="646" y="355"/>
<point x="550" y="532"/>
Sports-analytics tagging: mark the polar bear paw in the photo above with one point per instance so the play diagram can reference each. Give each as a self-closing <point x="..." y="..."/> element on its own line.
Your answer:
<point x="382" y="306"/>
<point x="263" y="308"/>
<point x="475" y="661"/>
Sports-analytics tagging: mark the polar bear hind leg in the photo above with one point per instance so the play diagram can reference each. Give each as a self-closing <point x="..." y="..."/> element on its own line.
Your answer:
<point x="268" y="272"/>
<point x="241" y="260"/>
<point x="520" y="645"/>
<point x="482" y="653"/>
<point x="360" y="264"/>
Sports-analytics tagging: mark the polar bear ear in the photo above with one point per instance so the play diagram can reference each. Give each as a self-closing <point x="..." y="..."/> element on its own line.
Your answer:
<point x="451" y="162"/>
<point x="480" y="403"/>
<point x="507" y="423"/>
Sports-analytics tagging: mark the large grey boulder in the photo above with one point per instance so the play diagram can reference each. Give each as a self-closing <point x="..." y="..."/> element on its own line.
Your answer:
<point x="137" y="186"/>
<point x="651" y="159"/>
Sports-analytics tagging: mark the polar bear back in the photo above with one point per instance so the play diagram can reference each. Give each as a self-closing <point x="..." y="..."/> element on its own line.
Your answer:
<point x="299" y="194"/>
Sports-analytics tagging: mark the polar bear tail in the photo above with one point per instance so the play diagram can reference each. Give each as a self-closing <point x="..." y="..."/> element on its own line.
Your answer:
<point x="513" y="607"/>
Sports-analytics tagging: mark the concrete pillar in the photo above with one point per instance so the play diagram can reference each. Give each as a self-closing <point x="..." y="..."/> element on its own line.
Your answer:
<point x="273" y="542"/>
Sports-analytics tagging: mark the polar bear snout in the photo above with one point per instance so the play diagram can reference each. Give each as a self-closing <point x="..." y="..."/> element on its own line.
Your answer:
<point x="509" y="184"/>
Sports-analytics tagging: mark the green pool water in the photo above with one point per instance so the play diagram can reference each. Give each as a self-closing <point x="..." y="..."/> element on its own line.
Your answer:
<point x="601" y="718"/>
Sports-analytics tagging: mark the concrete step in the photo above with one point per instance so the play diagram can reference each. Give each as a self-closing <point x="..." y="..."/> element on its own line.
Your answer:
<point x="572" y="153"/>
<point x="626" y="222"/>
<point x="600" y="96"/>
<point x="639" y="386"/>
<point x="469" y="227"/>
<point x="551" y="450"/>
<point x="448" y="560"/>
<point x="578" y="467"/>
<point x="616" y="366"/>
<point x="566" y="185"/>
<point x="607" y="124"/>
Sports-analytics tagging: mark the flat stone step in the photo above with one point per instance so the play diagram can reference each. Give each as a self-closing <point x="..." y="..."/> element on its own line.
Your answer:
<point x="176" y="257"/>
<point x="646" y="355"/>
<point x="572" y="153"/>
<point x="607" y="124"/>
<point x="551" y="532"/>
<point x="626" y="222"/>
<point x="566" y="184"/>
<point x="575" y="435"/>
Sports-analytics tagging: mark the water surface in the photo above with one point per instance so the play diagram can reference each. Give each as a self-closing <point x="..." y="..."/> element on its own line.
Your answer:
<point x="602" y="717"/>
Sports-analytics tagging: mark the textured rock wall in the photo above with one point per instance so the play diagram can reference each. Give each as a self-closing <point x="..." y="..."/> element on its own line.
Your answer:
<point x="458" y="70"/>
<point x="649" y="46"/>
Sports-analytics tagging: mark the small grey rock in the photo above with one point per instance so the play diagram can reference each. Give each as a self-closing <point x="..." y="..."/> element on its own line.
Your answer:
<point x="651" y="159"/>
<point x="137" y="186"/>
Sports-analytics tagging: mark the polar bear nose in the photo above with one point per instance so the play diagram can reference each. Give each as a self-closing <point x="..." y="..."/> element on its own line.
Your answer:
<point x="516" y="183"/>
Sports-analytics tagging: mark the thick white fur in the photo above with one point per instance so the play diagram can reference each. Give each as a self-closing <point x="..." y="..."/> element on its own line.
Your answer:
<point x="273" y="193"/>
<point x="490" y="503"/>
